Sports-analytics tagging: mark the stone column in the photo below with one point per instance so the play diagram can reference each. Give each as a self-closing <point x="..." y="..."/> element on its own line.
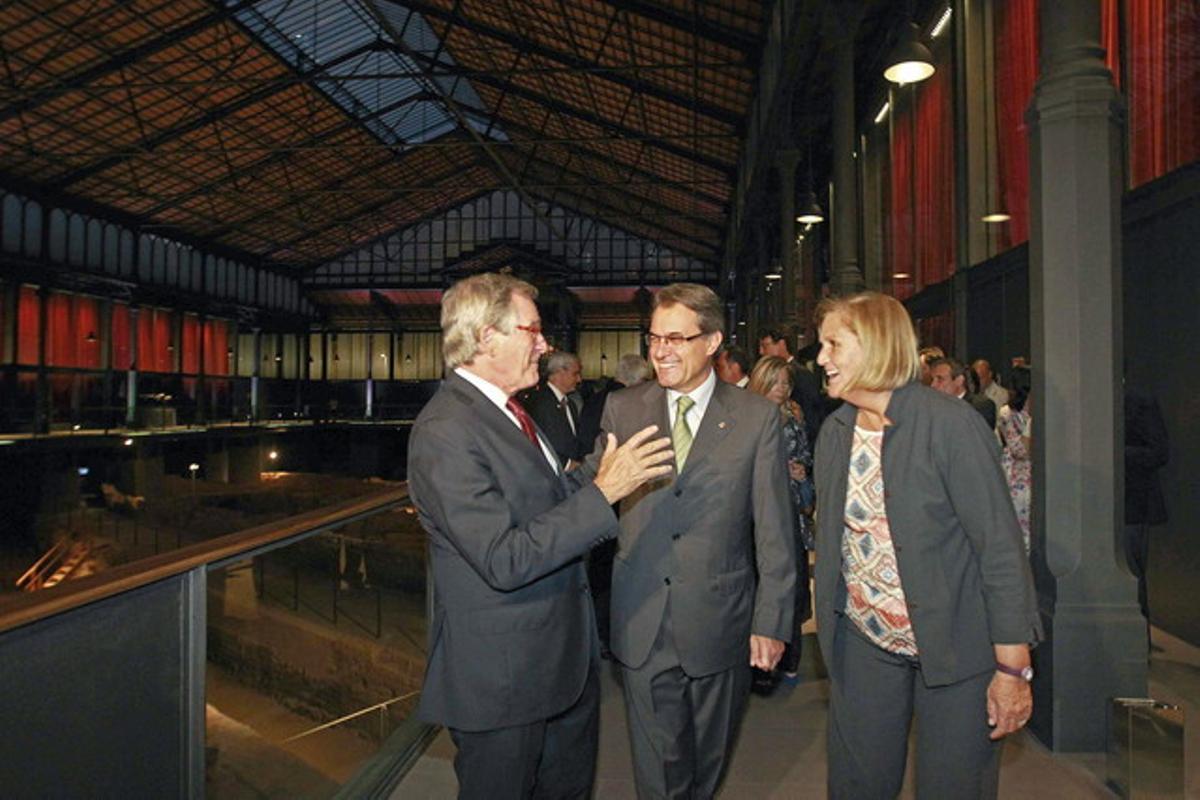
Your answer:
<point x="846" y="276"/>
<point x="131" y="377"/>
<point x="256" y="377"/>
<point x="1096" y="636"/>
<point x="785" y="165"/>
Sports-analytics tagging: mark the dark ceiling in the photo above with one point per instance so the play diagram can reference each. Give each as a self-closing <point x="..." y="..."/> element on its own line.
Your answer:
<point x="293" y="132"/>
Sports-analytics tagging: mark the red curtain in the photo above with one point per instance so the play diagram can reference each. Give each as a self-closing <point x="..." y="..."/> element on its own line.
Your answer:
<point x="154" y="341"/>
<point x="72" y="331"/>
<point x="122" y="352"/>
<point x="1164" y="86"/>
<point x="934" y="175"/>
<point x="190" y="344"/>
<point x="1110" y="38"/>
<point x="29" y="316"/>
<point x="1016" y="69"/>
<point x="900" y="201"/>
<point x="216" y="347"/>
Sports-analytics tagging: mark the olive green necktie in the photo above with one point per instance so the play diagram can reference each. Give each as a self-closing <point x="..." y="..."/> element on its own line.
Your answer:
<point x="681" y="434"/>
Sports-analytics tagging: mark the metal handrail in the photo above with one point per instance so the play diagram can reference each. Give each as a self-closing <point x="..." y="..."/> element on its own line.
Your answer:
<point x="352" y="715"/>
<point x="29" y="608"/>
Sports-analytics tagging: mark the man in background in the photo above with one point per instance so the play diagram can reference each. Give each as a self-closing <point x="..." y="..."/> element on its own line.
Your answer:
<point x="733" y="365"/>
<point x="551" y="408"/>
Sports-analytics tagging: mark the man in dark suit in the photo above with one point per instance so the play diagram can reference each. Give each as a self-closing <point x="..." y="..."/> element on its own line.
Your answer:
<point x="950" y="377"/>
<point x="552" y="410"/>
<point x="704" y="576"/>
<point x="512" y="644"/>
<point x="806" y="386"/>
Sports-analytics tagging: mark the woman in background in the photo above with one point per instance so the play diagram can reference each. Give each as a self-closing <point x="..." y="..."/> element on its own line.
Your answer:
<point x="925" y="600"/>
<point x="772" y="379"/>
<point x="1015" y="425"/>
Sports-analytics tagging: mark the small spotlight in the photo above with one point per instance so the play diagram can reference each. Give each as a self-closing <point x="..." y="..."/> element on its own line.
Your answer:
<point x="128" y="442"/>
<point x="83" y="471"/>
<point x="76" y="427"/>
<point x="193" y="467"/>
<point x="995" y="216"/>
<point x="274" y="454"/>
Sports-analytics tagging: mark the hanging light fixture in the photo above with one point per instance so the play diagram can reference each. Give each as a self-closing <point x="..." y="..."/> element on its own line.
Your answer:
<point x="91" y="337"/>
<point x="910" y="60"/>
<point x="809" y="211"/>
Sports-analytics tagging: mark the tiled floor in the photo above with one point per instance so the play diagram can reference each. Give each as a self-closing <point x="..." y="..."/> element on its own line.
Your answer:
<point x="781" y="750"/>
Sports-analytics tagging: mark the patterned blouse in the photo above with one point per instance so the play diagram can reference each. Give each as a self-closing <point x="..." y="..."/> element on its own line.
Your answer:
<point x="875" y="597"/>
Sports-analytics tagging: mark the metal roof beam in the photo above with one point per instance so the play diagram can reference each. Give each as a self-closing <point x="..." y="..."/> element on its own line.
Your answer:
<point x="746" y="44"/>
<point x="606" y="124"/>
<point x="248" y="172"/>
<point x="211" y="117"/>
<point x="574" y="62"/>
<point x="122" y="60"/>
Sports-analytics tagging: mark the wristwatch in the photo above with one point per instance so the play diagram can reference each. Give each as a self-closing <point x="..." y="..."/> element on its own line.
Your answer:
<point x="1024" y="673"/>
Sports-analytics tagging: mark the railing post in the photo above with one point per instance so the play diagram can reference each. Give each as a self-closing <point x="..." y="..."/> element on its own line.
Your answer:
<point x="194" y="629"/>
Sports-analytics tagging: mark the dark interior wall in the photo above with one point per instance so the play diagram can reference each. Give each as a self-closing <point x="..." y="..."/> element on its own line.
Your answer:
<point x="1161" y="264"/>
<point x="998" y="310"/>
<point x="1162" y="305"/>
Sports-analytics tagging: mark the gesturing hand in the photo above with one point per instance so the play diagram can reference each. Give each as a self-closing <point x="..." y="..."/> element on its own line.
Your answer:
<point x="625" y="468"/>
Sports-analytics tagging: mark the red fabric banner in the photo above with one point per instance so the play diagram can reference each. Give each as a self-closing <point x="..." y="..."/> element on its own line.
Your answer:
<point x="934" y="175"/>
<point x="902" y="274"/>
<point x="29" y="316"/>
<point x="154" y="341"/>
<point x="216" y="347"/>
<point x="122" y="349"/>
<point x="1016" y="69"/>
<point x="72" y="331"/>
<point x="1164" y="86"/>
<point x="190" y="345"/>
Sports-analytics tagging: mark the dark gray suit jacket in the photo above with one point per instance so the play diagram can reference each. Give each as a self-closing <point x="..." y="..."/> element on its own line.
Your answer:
<point x="716" y="539"/>
<point x="512" y="633"/>
<point x="958" y="545"/>
<point x="551" y="417"/>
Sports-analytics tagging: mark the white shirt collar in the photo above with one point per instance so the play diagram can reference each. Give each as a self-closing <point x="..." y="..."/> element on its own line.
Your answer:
<point x="494" y="393"/>
<point x="701" y="395"/>
<point x="743" y="381"/>
<point x="558" y="395"/>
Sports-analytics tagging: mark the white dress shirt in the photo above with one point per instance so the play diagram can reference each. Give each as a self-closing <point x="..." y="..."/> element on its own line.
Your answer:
<point x="701" y="395"/>
<point x="565" y="405"/>
<point x="494" y="393"/>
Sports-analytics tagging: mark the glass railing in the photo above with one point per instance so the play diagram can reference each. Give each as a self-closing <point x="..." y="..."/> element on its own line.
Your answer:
<point x="285" y="661"/>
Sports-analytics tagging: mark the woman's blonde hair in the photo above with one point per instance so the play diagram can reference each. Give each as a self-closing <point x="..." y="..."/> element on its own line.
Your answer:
<point x="473" y="304"/>
<point x="885" y="332"/>
<point x="765" y="373"/>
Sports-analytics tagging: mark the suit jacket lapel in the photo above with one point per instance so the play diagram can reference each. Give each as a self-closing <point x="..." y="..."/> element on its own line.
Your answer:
<point x="718" y="421"/>
<point x="489" y="415"/>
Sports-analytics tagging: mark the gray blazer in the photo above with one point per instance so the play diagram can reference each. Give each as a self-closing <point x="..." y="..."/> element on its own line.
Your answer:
<point x="958" y="545"/>
<point x="512" y="632"/>
<point x="716" y="539"/>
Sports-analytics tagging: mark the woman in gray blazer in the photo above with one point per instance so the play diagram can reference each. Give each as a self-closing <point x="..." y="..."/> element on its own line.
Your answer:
<point x="925" y="601"/>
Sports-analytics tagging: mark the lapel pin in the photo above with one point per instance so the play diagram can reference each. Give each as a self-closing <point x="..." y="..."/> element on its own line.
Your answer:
<point x="721" y="425"/>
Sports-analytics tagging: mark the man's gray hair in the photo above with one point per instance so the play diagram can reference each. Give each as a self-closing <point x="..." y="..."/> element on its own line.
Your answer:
<point x="560" y="360"/>
<point x="632" y="369"/>
<point x="473" y="304"/>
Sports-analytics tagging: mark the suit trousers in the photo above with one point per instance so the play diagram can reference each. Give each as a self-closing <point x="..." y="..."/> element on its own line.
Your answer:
<point x="554" y="759"/>
<point x="871" y="704"/>
<point x="681" y="728"/>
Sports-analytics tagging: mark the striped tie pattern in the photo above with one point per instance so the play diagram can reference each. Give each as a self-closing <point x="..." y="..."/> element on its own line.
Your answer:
<point x="681" y="434"/>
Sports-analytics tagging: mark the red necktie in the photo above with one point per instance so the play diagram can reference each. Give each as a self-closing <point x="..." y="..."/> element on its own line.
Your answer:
<point x="523" y="418"/>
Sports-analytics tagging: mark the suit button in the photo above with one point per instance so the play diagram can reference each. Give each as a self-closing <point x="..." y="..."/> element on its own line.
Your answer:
<point x="675" y="537"/>
<point x="667" y="581"/>
<point x="679" y="492"/>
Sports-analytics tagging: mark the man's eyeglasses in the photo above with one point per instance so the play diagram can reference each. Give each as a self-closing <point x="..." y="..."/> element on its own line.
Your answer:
<point x="535" y="329"/>
<point x="675" y="340"/>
